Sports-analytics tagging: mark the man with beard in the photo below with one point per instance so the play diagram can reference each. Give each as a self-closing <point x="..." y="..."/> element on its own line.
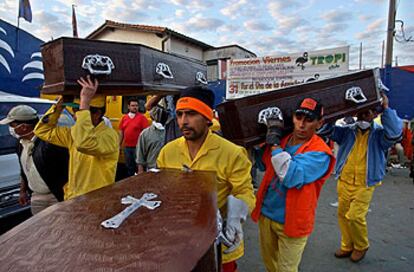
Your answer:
<point x="200" y="149"/>
<point x="130" y="127"/>
<point x="360" y="168"/>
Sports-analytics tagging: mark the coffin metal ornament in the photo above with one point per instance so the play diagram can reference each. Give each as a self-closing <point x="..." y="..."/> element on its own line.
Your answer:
<point x="201" y="78"/>
<point x="116" y="221"/>
<point x="341" y="96"/>
<point x="272" y="117"/>
<point x="164" y="70"/>
<point x="98" y="65"/>
<point x="356" y="95"/>
<point x="271" y="112"/>
<point x="121" y="68"/>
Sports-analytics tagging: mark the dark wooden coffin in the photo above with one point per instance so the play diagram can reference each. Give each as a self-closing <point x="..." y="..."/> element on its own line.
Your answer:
<point x="122" y="68"/>
<point x="239" y="118"/>
<point x="177" y="236"/>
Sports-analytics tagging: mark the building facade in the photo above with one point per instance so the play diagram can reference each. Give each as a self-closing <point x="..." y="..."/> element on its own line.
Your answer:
<point x="167" y="40"/>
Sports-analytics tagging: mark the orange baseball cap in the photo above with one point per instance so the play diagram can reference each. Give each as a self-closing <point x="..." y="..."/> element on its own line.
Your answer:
<point x="311" y="107"/>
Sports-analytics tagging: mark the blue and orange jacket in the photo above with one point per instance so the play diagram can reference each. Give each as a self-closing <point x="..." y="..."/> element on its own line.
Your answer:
<point x="379" y="140"/>
<point x="300" y="203"/>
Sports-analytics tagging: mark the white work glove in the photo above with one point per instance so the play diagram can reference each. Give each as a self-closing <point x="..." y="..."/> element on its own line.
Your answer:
<point x="220" y="235"/>
<point x="232" y="235"/>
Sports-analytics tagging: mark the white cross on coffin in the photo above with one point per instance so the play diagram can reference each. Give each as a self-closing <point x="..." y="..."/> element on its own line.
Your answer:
<point x="115" y="221"/>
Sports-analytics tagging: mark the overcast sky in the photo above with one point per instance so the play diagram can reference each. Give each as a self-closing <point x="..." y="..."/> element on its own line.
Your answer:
<point x="264" y="27"/>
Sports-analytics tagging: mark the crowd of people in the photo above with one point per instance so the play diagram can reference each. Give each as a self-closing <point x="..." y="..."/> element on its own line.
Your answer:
<point x="182" y="135"/>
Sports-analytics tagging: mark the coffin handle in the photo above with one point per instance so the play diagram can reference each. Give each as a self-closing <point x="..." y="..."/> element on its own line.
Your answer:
<point x="164" y="70"/>
<point x="269" y="113"/>
<point x="355" y="94"/>
<point x="201" y="78"/>
<point x="98" y="64"/>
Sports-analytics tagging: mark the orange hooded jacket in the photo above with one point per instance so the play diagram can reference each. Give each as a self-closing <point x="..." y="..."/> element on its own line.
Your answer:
<point x="300" y="203"/>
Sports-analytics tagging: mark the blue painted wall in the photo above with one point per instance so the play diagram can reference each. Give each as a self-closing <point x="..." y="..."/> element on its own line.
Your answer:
<point x="401" y="94"/>
<point x="21" y="71"/>
<point x="219" y="89"/>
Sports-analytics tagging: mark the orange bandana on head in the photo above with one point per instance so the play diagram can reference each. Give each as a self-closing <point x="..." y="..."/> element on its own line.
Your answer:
<point x="196" y="105"/>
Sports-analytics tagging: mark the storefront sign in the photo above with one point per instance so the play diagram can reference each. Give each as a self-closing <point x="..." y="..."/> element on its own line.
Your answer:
<point x="256" y="75"/>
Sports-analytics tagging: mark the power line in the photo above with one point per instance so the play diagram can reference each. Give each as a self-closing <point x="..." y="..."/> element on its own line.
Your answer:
<point x="402" y="38"/>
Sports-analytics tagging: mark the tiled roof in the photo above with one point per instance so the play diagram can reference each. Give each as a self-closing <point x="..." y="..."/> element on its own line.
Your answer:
<point x="146" y="28"/>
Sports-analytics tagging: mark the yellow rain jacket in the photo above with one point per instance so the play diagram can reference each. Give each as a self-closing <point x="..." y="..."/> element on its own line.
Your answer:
<point x="232" y="167"/>
<point x="93" y="151"/>
<point x="355" y="168"/>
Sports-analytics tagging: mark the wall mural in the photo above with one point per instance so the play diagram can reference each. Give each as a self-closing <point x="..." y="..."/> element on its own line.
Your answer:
<point x="21" y="67"/>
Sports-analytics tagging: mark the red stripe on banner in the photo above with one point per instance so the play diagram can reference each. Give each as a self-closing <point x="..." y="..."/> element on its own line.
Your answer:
<point x="407" y="68"/>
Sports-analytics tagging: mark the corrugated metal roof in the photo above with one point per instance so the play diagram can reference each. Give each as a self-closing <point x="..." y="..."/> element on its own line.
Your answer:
<point x="234" y="45"/>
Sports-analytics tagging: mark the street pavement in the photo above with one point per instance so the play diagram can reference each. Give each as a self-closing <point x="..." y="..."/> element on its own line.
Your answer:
<point x="390" y="226"/>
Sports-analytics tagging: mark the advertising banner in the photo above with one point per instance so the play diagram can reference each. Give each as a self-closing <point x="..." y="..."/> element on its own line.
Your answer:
<point x="256" y="75"/>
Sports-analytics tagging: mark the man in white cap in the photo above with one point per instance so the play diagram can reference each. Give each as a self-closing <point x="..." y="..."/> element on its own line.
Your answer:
<point x="43" y="166"/>
<point x="93" y="146"/>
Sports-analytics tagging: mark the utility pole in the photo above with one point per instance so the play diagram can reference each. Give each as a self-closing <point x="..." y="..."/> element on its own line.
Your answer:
<point x="390" y="41"/>
<point x="360" y="56"/>
<point x="390" y="32"/>
<point x="382" y="54"/>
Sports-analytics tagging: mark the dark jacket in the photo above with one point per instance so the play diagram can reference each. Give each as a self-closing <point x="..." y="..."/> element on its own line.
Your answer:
<point x="52" y="163"/>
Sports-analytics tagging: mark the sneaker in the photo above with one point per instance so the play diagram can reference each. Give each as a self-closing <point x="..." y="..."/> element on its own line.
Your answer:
<point x="396" y="165"/>
<point x="358" y="255"/>
<point x="342" y="253"/>
<point x="334" y="204"/>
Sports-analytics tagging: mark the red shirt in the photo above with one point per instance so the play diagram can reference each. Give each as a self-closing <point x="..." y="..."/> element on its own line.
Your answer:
<point x="407" y="143"/>
<point x="132" y="128"/>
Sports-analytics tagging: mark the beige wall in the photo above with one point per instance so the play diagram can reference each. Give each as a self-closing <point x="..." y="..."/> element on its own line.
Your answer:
<point x="127" y="36"/>
<point x="172" y="45"/>
<point x="186" y="49"/>
<point x="176" y="46"/>
<point x="232" y="52"/>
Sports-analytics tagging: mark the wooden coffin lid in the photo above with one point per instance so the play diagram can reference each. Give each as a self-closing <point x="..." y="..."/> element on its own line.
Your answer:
<point x="68" y="236"/>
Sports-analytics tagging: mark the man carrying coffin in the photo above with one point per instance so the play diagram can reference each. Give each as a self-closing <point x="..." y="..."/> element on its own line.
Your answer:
<point x="200" y="149"/>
